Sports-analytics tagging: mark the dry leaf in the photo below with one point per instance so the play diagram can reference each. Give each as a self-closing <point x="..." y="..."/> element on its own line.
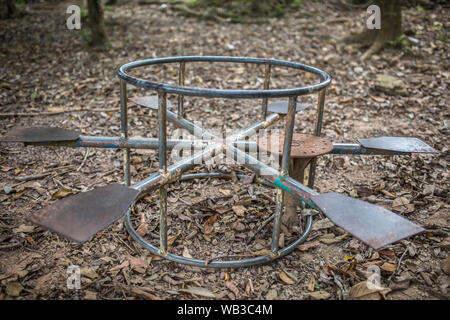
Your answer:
<point x="249" y="288"/>
<point x="55" y="109"/>
<point x="388" y="254"/>
<point x="61" y="193"/>
<point x="13" y="289"/>
<point x="90" y="295"/>
<point x="142" y="230"/>
<point x="124" y="264"/>
<point x="24" y="228"/>
<point x="389" y="267"/>
<point x="361" y="291"/>
<point x="225" y="191"/>
<point x="209" y="224"/>
<point x="319" y="295"/>
<point x="30" y="239"/>
<point x="222" y="209"/>
<point x="186" y="253"/>
<point x="312" y="284"/>
<point x="239" y="210"/>
<point x="261" y="252"/>
<point x="387" y="193"/>
<point x="322" y="224"/>
<point x="198" y="291"/>
<point x="173" y="199"/>
<point x="136" y="160"/>
<point x="137" y="264"/>
<point x="88" y="272"/>
<point x="308" y="245"/>
<point x="331" y="238"/>
<point x="230" y="285"/>
<point x="286" y="279"/>
<point x="171" y="239"/>
<point x="144" y="294"/>
<point x="402" y="205"/>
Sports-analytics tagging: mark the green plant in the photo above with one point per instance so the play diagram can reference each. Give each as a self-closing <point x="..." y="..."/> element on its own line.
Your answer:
<point x="401" y="42"/>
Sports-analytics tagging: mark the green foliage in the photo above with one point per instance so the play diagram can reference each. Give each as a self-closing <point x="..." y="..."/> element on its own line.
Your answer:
<point x="401" y="42"/>
<point x="84" y="13"/>
<point x="86" y="36"/>
<point x="20" y="1"/>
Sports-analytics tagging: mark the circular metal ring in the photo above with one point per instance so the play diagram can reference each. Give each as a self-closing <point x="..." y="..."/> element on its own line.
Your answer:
<point x="224" y="93"/>
<point x="215" y="264"/>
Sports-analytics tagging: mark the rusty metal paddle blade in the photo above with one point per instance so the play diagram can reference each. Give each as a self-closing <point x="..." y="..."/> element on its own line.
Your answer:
<point x="150" y="102"/>
<point x="372" y="224"/>
<point x="40" y="134"/>
<point x="80" y="216"/>
<point x="397" y="144"/>
<point x="281" y="107"/>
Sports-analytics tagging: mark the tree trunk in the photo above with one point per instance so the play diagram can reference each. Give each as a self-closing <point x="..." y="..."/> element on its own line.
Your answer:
<point x="391" y="28"/>
<point x="10" y="8"/>
<point x="7" y="9"/>
<point x="96" y="24"/>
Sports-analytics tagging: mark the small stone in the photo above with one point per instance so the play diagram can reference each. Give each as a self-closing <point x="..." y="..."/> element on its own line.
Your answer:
<point x="428" y="190"/>
<point x="272" y="294"/>
<point x="446" y="266"/>
<point x="90" y="295"/>
<point x="320" y="295"/>
<point x="88" y="272"/>
<point x="238" y="226"/>
<point x="390" y="85"/>
<point x="332" y="59"/>
<point x="8" y="189"/>
<point x="13" y="289"/>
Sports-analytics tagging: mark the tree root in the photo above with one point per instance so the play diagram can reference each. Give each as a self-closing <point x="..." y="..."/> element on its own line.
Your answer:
<point x="364" y="38"/>
<point x="374" y="48"/>
<point x="216" y="15"/>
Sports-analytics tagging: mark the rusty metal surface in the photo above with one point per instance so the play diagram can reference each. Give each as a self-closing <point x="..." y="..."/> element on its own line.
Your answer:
<point x="373" y="225"/>
<point x="80" y="216"/>
<point x="398" y="144"/>
<point x="303" y="145"/>
<point x="150" y="102"/>
<point x="40" y="134"/>
<point x="281" y="107"/>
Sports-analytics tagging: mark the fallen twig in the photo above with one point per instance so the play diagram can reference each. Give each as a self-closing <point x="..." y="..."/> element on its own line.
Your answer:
<point x="33" y="177"/>
<point x="11" y="245"/>
<point x="398" y="265"/>
<point x="262" y="226"/>
<point x="84" y="160"/>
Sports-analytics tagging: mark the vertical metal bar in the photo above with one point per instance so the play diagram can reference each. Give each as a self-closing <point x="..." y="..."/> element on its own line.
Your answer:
<point x="180" y="96"/>
<point x="162" y="119"/>
<point x="266" y="86"/>
<point x="317" y="132"/>
<point x="289" y="131"/>
<point x="124" y="131"/>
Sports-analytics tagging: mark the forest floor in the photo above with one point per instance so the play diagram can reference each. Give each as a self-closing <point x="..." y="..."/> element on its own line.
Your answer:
<point x="44" y="67"/>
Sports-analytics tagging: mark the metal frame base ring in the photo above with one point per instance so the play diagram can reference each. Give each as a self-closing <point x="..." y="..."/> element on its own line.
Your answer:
<point x="211" y="263"/>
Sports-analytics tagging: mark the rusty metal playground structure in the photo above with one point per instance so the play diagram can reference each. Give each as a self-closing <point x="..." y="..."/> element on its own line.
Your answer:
<point x="79" y="217"/>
